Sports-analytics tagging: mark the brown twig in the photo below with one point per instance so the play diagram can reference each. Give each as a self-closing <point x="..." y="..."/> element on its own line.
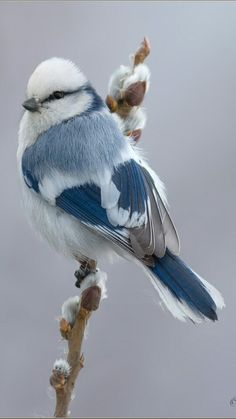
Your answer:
<point x="63" y="384"/>
<point x="142" y="52"/>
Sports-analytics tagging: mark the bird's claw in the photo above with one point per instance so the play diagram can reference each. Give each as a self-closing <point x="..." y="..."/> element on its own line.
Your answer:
<point x="80" y="274"/>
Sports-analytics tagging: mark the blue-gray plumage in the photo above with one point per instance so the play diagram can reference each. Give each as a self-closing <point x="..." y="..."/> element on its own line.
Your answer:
<point x="69" y="146"/>
<point x="82" y="175"/>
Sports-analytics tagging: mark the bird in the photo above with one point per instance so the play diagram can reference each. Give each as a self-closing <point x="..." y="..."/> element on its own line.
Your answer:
<point x="90" y="193"/>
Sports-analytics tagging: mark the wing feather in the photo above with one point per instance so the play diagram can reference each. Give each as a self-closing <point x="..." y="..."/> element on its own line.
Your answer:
<point x="170" y="232"/>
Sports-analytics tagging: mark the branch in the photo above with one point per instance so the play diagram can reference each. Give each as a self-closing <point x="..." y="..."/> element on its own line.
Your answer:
<point x="75" y="315"/>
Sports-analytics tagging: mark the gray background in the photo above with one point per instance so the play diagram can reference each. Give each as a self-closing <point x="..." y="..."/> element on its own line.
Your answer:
<point x="139" y="360"/>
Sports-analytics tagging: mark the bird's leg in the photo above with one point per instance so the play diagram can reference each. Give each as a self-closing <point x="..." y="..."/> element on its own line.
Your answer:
<point x="86" y="267"/>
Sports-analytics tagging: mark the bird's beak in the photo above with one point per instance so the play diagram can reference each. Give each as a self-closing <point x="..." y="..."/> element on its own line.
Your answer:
<point x="31" y="104"/>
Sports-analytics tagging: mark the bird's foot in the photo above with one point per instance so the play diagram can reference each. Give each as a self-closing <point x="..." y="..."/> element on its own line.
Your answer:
<point x="80" y="274"/>
<point x="87" y="266"/>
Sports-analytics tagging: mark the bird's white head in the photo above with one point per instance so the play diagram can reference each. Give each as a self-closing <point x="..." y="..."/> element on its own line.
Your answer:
<point x="54" y="75"/>
<point x="57" y="90"/>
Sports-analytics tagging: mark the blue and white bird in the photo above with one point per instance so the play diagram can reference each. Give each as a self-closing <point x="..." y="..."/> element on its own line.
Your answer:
<point x="89" y="192"/>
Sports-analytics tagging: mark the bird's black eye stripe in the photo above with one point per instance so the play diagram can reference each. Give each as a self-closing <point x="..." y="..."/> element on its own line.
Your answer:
<point x="55" y="95"/>
<point x="58" y="94"/>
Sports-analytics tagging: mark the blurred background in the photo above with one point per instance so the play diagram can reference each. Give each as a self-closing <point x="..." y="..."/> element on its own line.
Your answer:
<point x="139" y="361"/>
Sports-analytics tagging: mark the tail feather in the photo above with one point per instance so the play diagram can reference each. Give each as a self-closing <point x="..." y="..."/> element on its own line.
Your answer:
<point x="183" y="292"/>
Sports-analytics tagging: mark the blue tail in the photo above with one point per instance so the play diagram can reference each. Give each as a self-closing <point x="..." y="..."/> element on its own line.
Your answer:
<point x="193" y="297"/>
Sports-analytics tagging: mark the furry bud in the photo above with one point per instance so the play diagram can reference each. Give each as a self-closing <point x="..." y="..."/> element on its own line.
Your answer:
<point x="70" y="309"/>
<point x="95" y="279"/>
<point x="134" y="94"/>
<point x="91" y="298"/>
<point x="61" y="366"/>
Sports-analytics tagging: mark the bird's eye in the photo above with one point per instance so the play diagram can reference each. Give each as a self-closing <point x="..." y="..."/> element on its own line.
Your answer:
<point x="58" y="95"/>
